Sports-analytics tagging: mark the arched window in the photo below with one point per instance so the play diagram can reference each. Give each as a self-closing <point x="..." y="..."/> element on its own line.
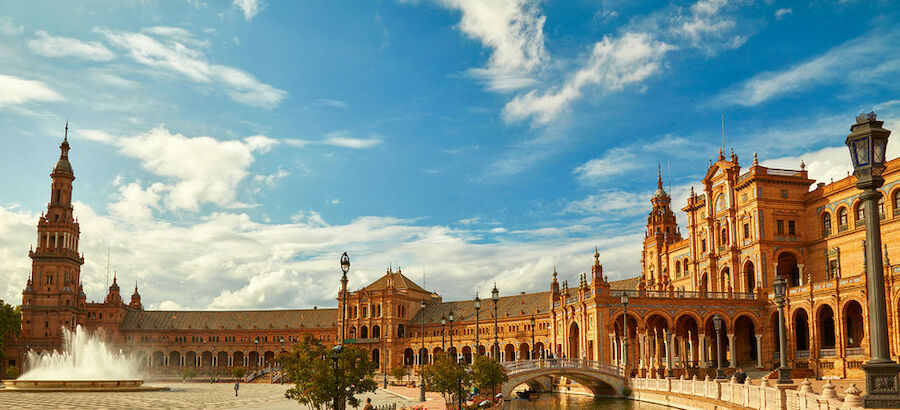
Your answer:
<point x="860" y="213"/>
<point x="401" y="331"/>
<point x="881" y="208"/>
<point x="724" y="240"/>
<point x="720" y="203"/>
<point x="896" y="203"/>
<point x="678" y="269"/>
<point x="842" y="218"/>
<point x="826" y="224"/>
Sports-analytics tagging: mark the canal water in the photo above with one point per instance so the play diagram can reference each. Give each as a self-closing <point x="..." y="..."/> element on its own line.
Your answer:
<point x="572" y="402"/>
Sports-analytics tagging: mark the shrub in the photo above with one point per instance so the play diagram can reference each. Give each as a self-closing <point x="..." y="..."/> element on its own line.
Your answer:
<point x="189" y="373"/>
<point x="12" y="372"/>
<point x="237" y="372"/>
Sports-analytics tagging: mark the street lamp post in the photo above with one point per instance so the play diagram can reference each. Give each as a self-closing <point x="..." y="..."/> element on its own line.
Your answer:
<point x="868" y="142"/>
<point x="279" y="364"/>
<point x="338" y="397"/>
<point x="625" y="325"/>
<point x="345" y="267"/>
<point x="421" y="361"/>
<point x="477" y="309"/>
<point x="718" y="323"/>
<point x="451" y="317"/>
<point x="212" y="359"/>
<point x="443" y="323"/>
<point x="256" y="342"/>
<point x="531" y="353"/>
<point x="495" y="297"/>
<point x="784" y="372"/>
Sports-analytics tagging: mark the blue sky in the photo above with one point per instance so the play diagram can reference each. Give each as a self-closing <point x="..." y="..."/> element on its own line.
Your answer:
<point x="227" y="153"/>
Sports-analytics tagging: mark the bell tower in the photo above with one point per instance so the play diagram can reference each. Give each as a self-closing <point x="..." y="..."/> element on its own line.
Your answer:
<point x="53" y="297"/>
<point x="662" y="230"/>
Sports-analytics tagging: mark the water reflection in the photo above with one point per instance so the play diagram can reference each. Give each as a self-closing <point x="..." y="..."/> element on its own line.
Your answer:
<point x="568" y="401"/>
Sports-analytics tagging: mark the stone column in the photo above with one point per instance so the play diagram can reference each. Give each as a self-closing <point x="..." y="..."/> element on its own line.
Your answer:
<point x="702" y="341"/>
<point x="640" y="354"/>
<point x="625" y="353"/>
<point x="759" y="351"/>
<point x="690" y="350"/>
<point x="612" y="349"/>
<point x="732" y="356"/>
<point x="668" y="343"/>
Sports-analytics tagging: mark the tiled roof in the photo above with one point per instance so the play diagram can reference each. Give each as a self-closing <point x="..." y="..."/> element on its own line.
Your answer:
<point x="625" y="284"/>
<point x="508" y="306"/>
<point x="398" y="281"/>
<point x="231" y="320"/>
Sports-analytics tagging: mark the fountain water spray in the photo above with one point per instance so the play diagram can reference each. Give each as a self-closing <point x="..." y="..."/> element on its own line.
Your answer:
<point x="85" y="357"/>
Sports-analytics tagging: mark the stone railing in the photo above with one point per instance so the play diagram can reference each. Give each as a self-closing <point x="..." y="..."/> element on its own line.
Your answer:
<point x="760" y="395"/>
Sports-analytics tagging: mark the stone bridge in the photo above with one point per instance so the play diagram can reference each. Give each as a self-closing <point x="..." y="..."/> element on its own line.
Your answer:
<point x="601" y="379"/>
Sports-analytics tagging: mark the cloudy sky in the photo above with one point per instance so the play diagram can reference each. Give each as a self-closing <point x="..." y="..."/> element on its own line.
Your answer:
<point x="227" y="153"/>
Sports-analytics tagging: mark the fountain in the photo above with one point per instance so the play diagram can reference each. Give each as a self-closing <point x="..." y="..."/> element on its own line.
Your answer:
<point x="85" y="364"/>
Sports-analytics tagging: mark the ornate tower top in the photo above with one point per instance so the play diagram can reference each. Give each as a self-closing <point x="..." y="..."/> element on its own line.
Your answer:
<point x="136" y="299"/>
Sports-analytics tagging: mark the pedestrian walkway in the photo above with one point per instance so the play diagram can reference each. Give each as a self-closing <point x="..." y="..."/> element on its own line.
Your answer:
<point x="181" y="396"/>
<point x="433" y="401"/>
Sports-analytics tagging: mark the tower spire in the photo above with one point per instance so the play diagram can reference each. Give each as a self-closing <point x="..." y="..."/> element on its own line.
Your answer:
<point x="659" y="176"/>
<point x="66" y="135"/>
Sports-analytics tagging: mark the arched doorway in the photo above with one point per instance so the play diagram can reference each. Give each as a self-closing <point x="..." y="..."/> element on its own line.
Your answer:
<point x="376" y="331"/>
<point x="364" y="332"/>
<point x="539" y="351"/>
<point x="574" y="352"/>
<point x="237" y="359"/>
<point x="376" y="357"/>
<point x="268" y="358"/>
<point x="467" y="354"/>
<point x="704" y="283"/>
<point x="253" y="359"/>
<point x="725" y="280"/>
<point x="853" y="324"/>
<point x="190" y="359"/>
<point x="480" y="349"/>
<point x="159" y="359"/>
<point x="712" y="348"/>
<point x="749" y="277"/>
<point x="452" y="352"/>
<point x="509" y="353"/>
<point x="788" y="268"/>
<point x="801" y="331"/>
<point x="401" y="331"/>
<point x="687" y="331"/>
<point x="408" y="356"/>
<point x="524" y="351"/>
<point x="206" y="359"/>
<point x="745" y="353"/>
<point x="222" y="359"/>
<point x="423" y="356"/>
<point x="825" y="321"/>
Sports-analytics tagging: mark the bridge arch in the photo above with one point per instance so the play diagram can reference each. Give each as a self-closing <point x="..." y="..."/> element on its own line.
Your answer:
<point x="600" y="378"/>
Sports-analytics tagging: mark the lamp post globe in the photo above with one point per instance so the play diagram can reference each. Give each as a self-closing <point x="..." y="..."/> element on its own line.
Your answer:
<point x="718" y="323"/>
<point x="345" y="263"/>
<point x="867" y="143"/>
<point x="495" y="297"/>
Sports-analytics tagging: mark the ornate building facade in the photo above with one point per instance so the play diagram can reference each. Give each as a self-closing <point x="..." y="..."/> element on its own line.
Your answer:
<point x="744" y="227"/>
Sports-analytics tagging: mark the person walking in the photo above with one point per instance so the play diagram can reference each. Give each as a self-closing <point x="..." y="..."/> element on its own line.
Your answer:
<point x="237" y="385"/>
<point x="740" y="377"/>
<point x="368" y="405"/>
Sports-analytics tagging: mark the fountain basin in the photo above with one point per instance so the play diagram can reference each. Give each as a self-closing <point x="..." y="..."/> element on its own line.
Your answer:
<point x="77" y="386"/>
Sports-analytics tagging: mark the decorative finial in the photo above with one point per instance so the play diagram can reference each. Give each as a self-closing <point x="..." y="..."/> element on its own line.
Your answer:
<point x="755" y="160"/>
<point x="692" y="191"/>
<point x="659" y="176"/>
<point x="596" y="253"/>
<point x="865" y="117"/>
<point x="66" y="135"/>
<point x="802" y="165"/>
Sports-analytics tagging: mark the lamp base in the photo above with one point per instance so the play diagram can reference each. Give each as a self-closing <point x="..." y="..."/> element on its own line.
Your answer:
<point x="784" y="376"/>
<point x="720" y="374"/>
<point x="882" y="385"/>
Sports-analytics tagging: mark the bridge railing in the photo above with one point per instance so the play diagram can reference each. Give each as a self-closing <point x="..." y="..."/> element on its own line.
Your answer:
<point x="758" y="395"/>
<point x="529" y="365"/>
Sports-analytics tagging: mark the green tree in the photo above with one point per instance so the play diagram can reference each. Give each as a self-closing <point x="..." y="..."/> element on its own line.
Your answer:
<point x="189" y="373"/>
<point x="399" y="373"/>
<point x="12" y="372"/>
<point x="487" y="373"/>
<point x="309" y="364"/>
<point x="237" y="372"/>
<point x="10" y="324"/>
<point x="446" y="377"/>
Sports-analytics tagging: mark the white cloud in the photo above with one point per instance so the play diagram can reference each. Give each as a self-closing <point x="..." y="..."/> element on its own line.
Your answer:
<point x="51" y="46"/>
<point x="707" y="27"/>
<point x="326" y="102"/>
<point x="341" y="139"/>
<point x="168" y="52"/>
<point x="614" y="64"/>
<point x="249" y="7"/>
<point x="616" y="202"/>
<point x="15" y="90"/>
<point x="513" y="30"/>
<point x="780" y="13"/>
<point x="838" y="65"/>
<point x="614" y="162"/>
<point x="8" y="27"/>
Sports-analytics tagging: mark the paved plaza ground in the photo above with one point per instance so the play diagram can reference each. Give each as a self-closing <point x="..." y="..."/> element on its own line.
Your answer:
<point x="181" y="396"/>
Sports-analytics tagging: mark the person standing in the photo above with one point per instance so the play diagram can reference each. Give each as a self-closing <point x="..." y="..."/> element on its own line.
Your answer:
<point x="740" y="377"/>
<point x="237" y="385"/>
<point x="368" y="405"/>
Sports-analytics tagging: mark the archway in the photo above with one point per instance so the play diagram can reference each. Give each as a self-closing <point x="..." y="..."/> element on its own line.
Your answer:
<point x="825" y="325"/>
<point x="717" y="342"/>
<point x="253" y="359"/>
<point x="467" y="354"/>
<point x="801" y="331"/>
<point x="453" y="353"/>
<point x="539" y="350"/>
<point x="206" y="359"/>
<point x="222" y="359"/>
<point x="423" y="356"/>
<point x="745" y="353"/>
<point x="853" y="324"/>
<point x="524" y="351"/>
<point x="401" y="331"/>
<point x="725" y="280"/>
<point x="480" y="350"/>
<point x="376" y="331"/>
<point x="408" y="356"/>
<point x="159" y="359"/>
<point x="190" y="359"/>
<point x="175" y="359"/>
<point x="364" y="332"/>
<point x="788" y="269"/>
<point x="704" y="283"/>
<point x="657" y="327"/>
<point x="509" y="353"/>
<point x="687" y="330"/>
<point x="268" y="358"/>
<point x="237" y="359"/>
<point x="749" y="277"/>
<point x="376" y="357"/>
<point x="574" y="352"/>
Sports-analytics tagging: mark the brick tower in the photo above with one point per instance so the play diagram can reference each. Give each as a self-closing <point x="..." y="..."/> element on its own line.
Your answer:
<point x="53" y="297"/>
<point x="662" y="230"/>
